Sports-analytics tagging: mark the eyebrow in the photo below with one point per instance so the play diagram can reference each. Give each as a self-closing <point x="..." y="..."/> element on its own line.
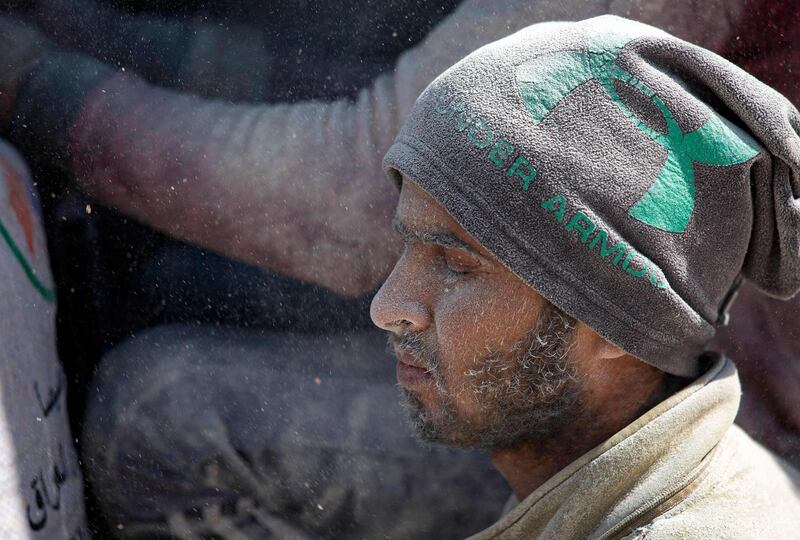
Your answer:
<point x="445" y="239"/>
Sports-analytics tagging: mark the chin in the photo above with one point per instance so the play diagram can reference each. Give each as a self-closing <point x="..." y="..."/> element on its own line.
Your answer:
<point x="440" y="424"/>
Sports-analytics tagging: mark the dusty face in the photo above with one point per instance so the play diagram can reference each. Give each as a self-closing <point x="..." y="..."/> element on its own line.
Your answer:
<point x="483" y="360"/>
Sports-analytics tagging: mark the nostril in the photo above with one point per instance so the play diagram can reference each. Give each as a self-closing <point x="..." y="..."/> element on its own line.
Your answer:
<point x="393" y="309"/>
<point x="401" y="324"/>
<point x="400" y="327"/>
<point x="407" y="315"/>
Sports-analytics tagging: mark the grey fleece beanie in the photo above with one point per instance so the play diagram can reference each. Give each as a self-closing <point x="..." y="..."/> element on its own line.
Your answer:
<point x="629" y="177"/>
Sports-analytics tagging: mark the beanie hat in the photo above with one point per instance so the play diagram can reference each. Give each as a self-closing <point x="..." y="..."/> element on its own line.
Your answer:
<point x="629" y="177"/>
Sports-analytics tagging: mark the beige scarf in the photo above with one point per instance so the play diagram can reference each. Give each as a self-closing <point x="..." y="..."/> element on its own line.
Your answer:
<point x="680" y="470"/>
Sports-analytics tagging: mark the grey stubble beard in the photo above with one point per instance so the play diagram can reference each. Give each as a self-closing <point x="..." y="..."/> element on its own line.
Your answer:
<point x="525" y="395"/>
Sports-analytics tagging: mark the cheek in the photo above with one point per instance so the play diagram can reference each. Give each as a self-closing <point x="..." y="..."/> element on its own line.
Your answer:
<point x="479" y="318"/>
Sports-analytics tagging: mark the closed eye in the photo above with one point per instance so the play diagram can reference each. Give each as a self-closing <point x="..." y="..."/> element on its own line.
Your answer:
<point x="461" y="261"/>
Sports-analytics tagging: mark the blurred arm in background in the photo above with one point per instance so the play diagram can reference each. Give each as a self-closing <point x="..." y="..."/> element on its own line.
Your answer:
<point x="248" y="50"/>
<point x="297" y="188"/>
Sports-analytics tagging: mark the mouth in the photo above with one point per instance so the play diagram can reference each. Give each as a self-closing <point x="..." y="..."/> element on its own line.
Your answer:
<point x="410" y="372"/>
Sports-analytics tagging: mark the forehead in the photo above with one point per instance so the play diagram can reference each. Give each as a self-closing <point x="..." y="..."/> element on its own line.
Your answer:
<point x="418" y="211"/>
<point x="417" y="207"/>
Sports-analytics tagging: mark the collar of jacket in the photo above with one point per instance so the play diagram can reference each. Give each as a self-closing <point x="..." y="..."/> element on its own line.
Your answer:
<point x="639" y="473"/>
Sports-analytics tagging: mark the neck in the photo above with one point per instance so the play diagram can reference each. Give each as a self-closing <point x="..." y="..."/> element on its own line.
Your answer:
<point x="529" y="465"/>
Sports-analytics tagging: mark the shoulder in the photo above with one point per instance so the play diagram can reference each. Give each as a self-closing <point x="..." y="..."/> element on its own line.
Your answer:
<point x="748" y="493"/>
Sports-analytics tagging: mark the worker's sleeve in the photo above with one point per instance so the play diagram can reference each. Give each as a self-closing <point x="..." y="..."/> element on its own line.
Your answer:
<point x="294" y="188"/>
<point x="186" y="53"/>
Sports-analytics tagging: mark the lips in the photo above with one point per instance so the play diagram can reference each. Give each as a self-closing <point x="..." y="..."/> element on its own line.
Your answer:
<point x="409" y="371"/>
<point x="408" y="359"/>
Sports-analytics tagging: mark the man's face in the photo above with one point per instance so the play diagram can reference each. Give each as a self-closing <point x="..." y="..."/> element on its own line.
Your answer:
<point x="483" y="360"/>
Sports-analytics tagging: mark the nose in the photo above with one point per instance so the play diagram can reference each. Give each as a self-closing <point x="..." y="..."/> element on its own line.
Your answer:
<point x="401" y="304"/>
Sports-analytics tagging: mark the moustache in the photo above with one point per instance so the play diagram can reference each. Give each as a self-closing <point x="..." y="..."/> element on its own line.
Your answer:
<point x="415" y="345"/>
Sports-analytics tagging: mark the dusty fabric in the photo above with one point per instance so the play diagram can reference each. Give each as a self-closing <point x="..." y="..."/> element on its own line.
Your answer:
<point x="246" y="51"/>
<point x="234" y="178"/>
<point x="764" y="339"/>
<point x="41" y="486"/>
<point x="763" y="41"/>
<point x="628" y="176"/>
<point x="213" y="428"/>
<point x="682" y="470"/>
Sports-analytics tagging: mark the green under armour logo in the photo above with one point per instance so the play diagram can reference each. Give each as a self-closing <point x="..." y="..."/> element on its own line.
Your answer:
<point x="668" y="205"/>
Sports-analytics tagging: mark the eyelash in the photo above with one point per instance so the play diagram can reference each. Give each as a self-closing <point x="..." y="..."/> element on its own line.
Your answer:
<point x="452" y="267"/>
<point x="453" y="272"/>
